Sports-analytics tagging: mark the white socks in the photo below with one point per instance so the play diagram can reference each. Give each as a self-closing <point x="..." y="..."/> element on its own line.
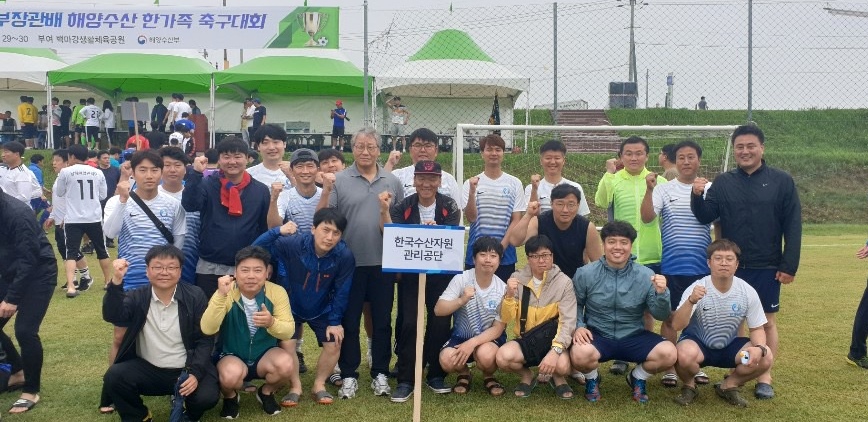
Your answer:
<point x="640" y="373"/>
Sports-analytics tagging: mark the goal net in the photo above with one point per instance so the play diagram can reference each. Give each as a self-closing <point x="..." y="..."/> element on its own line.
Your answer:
<point x="588" y="148"/>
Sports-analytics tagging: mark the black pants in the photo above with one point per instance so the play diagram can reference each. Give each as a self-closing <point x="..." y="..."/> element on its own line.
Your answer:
<point x="128" y="381"/>
<point x="250" y="131"/>
<point x="208" y="283"/>
<point x="860" y="329"/>
<point x="369" y="285"/>
<point x="56" y="133"/>
<point x="31" y="311"/>
<point x="437" y="329"/>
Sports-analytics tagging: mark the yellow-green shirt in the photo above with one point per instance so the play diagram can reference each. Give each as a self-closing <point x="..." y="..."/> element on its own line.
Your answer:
<point x="626" y="192"/>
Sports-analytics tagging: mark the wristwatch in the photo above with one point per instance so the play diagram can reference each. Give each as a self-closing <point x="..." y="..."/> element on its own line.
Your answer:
<point x="558" y="349"/>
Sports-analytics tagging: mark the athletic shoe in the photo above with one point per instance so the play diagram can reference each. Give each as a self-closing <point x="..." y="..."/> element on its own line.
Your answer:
<point x="84" y="284"/>
<point x="731" y="395"/>
<point x="640" y="394"/>
<point x="619" y="368"/>
<point x="231" y="408"/>
<point x="88" y="248"/>
<point x="764" y="391"/>
<point x="592" y="389"/>
<point x="402" y="393"/>
<point x="110" y="243"/>
<point x="438" y="385"/>
<point x="380" y="385"/>
<point x="302" y="367"/>
<point x="861" y="362"/>
<point x="269" y="404"/>
<point x="348" y="390"/>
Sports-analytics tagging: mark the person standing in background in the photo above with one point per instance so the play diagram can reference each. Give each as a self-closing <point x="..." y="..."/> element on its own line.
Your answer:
<point x="702" y="105"/>
<point x="339" y="115"/>
<point x="158" y="116"/>
<point x="56" y="113"/>
<point x="65" y="121"/>
<point x="259" y="119"/>
<point x="194" y="109"/>
<point x="108" y="120"/>
<point x="78" y="120"/>
<point x="247" y="119"/>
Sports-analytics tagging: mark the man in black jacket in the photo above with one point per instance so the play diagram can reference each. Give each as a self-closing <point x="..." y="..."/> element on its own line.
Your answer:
<point x="426" y="206"/>
<point x="758" y="208"/>
<point x="27" y="278"/>
<point x="163" y="341"/>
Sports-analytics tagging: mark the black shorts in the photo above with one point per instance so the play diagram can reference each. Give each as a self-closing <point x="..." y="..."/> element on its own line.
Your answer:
<point x="677" y="284"/>
<point x="766" y="286"/>
<point x="64" y="130"/>
<point x="318" y="325"/>
<point x="28" y="131"/>
<point x="60" y="240"/>
<point x="252" y="374"/>
<point x="76" y="231"/>
<point x="92" y="132"/>
<point x="337" y="131"/>
<point x="79" y="128"/>
<point x="718" y="358"/>
<point x="454" y="341"/>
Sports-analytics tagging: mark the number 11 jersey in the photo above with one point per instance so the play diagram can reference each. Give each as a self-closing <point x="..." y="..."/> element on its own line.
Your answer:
<point x="83" y="187"/>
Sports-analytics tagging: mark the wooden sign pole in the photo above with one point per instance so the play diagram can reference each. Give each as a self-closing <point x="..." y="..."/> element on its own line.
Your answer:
<point x="420" y="335"/>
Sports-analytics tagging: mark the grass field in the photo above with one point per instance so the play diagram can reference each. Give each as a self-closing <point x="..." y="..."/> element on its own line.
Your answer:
<point x="812" y="380"/>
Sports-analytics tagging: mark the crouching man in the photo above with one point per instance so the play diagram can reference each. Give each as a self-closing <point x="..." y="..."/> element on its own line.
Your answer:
<point x="162" y="341"/>
<point x="252" y="316"/>
<point x="612" y="295"/>
<point x="712" y="309"/>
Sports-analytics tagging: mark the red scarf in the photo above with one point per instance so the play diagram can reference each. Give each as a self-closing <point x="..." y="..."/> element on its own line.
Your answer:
<point x="230" y="194"/>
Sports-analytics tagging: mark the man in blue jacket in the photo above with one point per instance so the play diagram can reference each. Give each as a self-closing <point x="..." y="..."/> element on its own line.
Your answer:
<point x="612" y="295"/>
<point x="232" y="207"/>
<point x="320" y="270"/>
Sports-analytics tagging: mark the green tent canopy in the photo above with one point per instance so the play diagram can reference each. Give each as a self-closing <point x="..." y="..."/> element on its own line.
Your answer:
<point x="294" y="75"/>
<point x="451" y="44"/>
<point x="136" y="72"/>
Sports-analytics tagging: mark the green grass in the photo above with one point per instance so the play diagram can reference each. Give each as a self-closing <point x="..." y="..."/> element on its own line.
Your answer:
<point x="812" y="380"/>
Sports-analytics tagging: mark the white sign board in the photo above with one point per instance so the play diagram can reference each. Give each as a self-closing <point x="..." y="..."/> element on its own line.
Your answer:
<point x="78" y="26"/>
<point x="412" y="248"/>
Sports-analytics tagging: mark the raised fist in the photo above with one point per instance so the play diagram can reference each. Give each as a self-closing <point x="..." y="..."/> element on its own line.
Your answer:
<point x="328" y="181"/>
<point x="286" y="168"/>
<point x="659" y="283"/>
<point x="697" y="294"/>
<point x="534" y="180"/>
<point x="473" y="181"/>
<point x="699" y="185"/>
<point x="123" y="190"/>
<point x="288" y="228"/>
<point x="469" y="292"/>
<point x="533" y="208"/>
<point x="511" y="287"/>
<point x="120" y="266"/>
<point x="612" y="165"/>
<point x="224" y="284"/>
<point x="276" y="189"/>
<point x="385" y="200"/>
<point x="651" y="181"/>
<point x="394" y="158"/>
<point x="199" y="163"/>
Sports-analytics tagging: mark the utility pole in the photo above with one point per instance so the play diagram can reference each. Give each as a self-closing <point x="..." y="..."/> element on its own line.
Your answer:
<point x="750" y="60"/>
<point x="555" y="63"/>
<point x="632" y="77"/>
<point x="367" y="77"/>
<point x="647" y="81"/>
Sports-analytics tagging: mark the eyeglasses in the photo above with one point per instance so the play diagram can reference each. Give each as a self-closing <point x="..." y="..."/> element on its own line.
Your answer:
<point x="727" y="259"/>
<point x="423" y="145"/>
<point x="566" y="205"/>
<point x="169" y="269"/>
<point x="370" y="148"/>
<point x="540" y="256"/>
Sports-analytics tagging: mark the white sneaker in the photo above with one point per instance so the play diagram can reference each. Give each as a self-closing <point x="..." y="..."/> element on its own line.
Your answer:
<point x="348" y="390"/>
<point x="380" y="384"/>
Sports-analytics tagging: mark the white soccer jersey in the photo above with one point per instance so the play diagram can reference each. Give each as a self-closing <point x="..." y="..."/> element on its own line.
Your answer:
<point x="83" y="187"/>
<point x="448" y="184"/>
<point x="181" y="108"/>
<point x="92" y="114"/>
<point x="716" y="317"/>
<point x="58" y="206"/>
<point x="267" y="177"/>
<point x="292" y="206"/>
<point x="20" y="183"/>
<point x="544" y="195"/>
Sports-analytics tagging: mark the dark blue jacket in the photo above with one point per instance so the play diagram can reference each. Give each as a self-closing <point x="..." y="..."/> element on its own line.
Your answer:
<point x="221" y="236"/>
<point x="316" y="285"/>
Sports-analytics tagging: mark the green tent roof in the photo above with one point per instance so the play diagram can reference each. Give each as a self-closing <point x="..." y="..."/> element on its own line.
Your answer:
<point x="451" y="44"/>
<point x="34" y="52"/>
<point x="298" y="75"/>
<point x="136" y="72"/>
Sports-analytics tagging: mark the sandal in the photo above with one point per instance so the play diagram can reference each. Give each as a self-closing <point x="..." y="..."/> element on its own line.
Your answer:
<point x="563" y="391"/>
<point x="494" y="387"/>
<point x="323" y="397"/>
<point x="731" y="395"/>
<point x="462" y="384"/>
<point x="523" y="389"/>
<point x="25" y="404"/>
<point x="670" y="380"/>
<point x="290" y="400"/>
<point x="701" y="378"/>
<point x="336" y="380"/>
<point x="578" y="377"/>
<point x="106" y="410"/>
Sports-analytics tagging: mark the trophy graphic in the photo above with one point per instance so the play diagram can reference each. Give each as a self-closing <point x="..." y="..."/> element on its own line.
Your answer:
<point x="311" y="23"/>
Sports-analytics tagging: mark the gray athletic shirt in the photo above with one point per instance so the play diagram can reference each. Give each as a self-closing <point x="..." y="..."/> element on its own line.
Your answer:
<point x="716" y="317"/>
<point x="357" y="199"/>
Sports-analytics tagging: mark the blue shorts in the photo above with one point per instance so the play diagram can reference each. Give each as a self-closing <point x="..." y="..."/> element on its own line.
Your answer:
<point x="633" y="348"/>
<point x="28" y="130"/>
<point x="677" y="284"/>
<point x="654" y="267"/>
<point x="718" y="358"/>
<point x="763" y="281"/>
<point x="456" y="340"/>
<point x="318" y="325"/>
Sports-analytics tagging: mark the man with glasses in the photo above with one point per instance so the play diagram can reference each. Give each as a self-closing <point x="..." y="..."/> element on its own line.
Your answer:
<point x="423" y="146"/>
<point x="710" y="312"/>
<point x="232" y="206"/>
<point x="758" y="208"/>
<point x="163" y="341"/>
<point x="493" y="202"/>
<point x="624" y="190"/>
<point x="357" y="193"/>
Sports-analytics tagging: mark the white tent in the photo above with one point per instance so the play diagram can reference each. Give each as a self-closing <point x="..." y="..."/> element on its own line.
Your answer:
<point x="22" y="72"/>
<point x="452" y="80"/>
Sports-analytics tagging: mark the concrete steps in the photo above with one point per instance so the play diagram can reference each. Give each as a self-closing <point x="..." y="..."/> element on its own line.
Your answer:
<point x="578" y="141"/>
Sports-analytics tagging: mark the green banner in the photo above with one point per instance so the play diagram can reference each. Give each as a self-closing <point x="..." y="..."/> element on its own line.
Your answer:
<point x="309" y="27"/>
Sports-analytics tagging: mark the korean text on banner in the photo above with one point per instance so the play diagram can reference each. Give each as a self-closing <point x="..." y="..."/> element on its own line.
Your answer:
<point x="411" y="248"/>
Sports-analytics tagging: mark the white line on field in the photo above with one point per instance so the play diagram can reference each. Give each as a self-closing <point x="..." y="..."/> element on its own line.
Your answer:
<point x="833" y="245"/>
